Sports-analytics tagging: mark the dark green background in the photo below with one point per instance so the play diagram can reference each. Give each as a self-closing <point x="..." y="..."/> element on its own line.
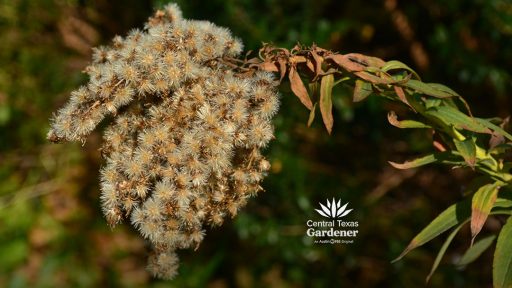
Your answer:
<point x="52" y="233"/>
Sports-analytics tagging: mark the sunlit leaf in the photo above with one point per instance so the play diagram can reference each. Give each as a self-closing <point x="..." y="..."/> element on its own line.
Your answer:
<point x="374" y="79"/>
<point x="394" y="65"/>
<point x="476" y="250"/>
<point x="443" y="88"/>
<point x="326" y="85"/>
<point x="502" y="263"/>
<point x="401" y="95"/>
<point x="427" y="89"/>
<point x="467" y="149"/>
<point x="440" y="157"/>
<point x="481" y="205"/>
<point x="298" y="88"/>
<point x="318" y="62"/>
<point x="495" y="128"/>
<point x="457" y="119"/>
<point x="504" y="200"/>
<point x="393" y="120"/>
<point x="355" y="62"/>
<point x="455" y="214"/>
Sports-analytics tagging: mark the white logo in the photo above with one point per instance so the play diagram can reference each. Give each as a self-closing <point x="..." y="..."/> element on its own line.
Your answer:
<point x="334" y="230"/>
<point x="333" y="209"/>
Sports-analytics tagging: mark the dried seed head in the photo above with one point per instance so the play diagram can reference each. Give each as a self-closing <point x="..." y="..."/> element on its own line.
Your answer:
<point x="184" y="149"/>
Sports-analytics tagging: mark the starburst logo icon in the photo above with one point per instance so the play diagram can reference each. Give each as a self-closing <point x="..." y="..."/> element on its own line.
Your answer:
<point x="333" y="209"/>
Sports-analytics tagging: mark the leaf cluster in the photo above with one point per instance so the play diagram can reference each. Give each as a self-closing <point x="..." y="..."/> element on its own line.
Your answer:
<point x="459" y="138"/>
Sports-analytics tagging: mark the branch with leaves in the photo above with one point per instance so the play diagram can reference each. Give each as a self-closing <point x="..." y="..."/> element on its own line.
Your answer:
<point x="460" y="139"/>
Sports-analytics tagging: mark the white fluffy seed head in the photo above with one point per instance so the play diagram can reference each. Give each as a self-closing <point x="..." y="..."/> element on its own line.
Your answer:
<point x="183" y="150"/>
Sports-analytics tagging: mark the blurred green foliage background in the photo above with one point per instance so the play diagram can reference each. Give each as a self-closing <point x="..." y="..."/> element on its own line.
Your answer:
<point x="52" y="233"/>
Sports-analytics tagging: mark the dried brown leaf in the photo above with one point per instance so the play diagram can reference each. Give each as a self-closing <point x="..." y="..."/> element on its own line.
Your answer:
<point x="318" y="63"/>
<point x="298" y="87"/>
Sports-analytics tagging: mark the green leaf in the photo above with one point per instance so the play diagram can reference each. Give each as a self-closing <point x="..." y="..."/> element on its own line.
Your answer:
<point x="467" y="149"/>
<point x="504" y="200"/>
<point x="393" y="120"/>
<point x="502" y="264"/>
<point x="453" y="117"/>
<point x="443" y="88"/>
<point x="443" y="249"/>
<point x="362" y="90"/>
<point x="455" y="214"/>
<point x="326" y="100"/>
<point x="439" y="157"/>
<point x="481" y="205"/>
<point x="427" y="89"/>
<point x="394" y="65"/>
<point x="495" y="128"/>
<point x="476" y="250"/>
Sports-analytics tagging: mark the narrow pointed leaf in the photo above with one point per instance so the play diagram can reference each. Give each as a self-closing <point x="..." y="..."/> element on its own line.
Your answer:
<point x="393" y="120"/>
<point x="431" y="89"/>
<point x="344" y="62"/>
<point x="502" y="263"/>
<point x="455" y="214"/>
<point x="312" y="115"/>
<point x="355" y="62"/>
<point x="401" y="95"/>
<point x="318" y="62"/>
<point x="362" y="90"/>
<point x="394" y="65"/>
<point x="374" y="79"/>
<point x="504" y="200"/>
<point x="443" y="88"/>
<point x="467" y="149"/>
<point x="414" y="163"/>
<point x="476" y="250"/>
<point x="326" y="85"/>
<point x="457" y="119"/>
<point x="495" y="128"/>
<point x="481" y="205"/>
<point x="298" y="88"/>
<point x="443" y="249"/>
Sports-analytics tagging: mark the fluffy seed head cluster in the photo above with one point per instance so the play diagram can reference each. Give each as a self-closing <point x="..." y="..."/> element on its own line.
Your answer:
<point x="183" y="149"/>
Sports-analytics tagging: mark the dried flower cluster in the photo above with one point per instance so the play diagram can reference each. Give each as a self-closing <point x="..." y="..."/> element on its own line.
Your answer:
<point x="183" y="150"/>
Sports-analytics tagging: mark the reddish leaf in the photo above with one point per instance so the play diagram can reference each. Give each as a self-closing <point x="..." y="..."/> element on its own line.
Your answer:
<point x="269" y="67"/>
<point x="481" y="205"/>
<point x="372" y="78"/>
<point x="401" y="95"/>
<point x="282" y="67"/>
<point x="298" y="88"/>
<point x="310" y="65"/>
<point x="393" y="120"/>
<point x="345" y="63"/>
<point x="366" y="61"/>
<point x="318" y="63"/>
<point x="326" y="85"/>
